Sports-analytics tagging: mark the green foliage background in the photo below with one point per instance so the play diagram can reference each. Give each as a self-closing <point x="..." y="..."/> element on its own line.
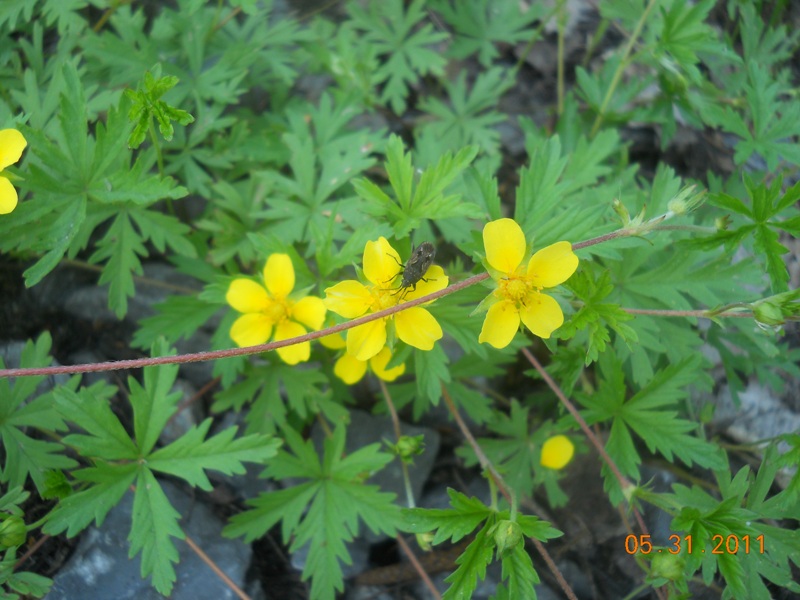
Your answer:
<point x="137" y="113"/>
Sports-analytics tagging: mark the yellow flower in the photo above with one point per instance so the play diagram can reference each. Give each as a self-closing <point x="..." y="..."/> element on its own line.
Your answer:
<point x="518" y="295"/>
<point x="557" y="451"/>
<point x="12" y="143"/>
<point x="351" y="370"/>
<point x="271" y="309"/>
<point x="351" y="299"/>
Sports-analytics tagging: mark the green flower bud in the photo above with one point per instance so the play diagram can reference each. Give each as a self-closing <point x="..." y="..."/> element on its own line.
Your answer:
<point x="424" y="541"/>
<point x="408" y="447"/>
<point x="621" y="211"/>
<point x="722" y="223"/>
<point x="12" y="532"/>
<point x="507" y="535"/>
<point x="768" y="313"/>
<point x="669" y="566"/>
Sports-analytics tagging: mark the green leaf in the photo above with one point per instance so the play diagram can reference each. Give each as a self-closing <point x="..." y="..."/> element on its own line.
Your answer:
<point x="153" y="404"/>
<point x="154" y="524"/>
<point x="147" y="105"/>
<point x="105" y="436"/>
<point x="518" y="570"/>
<point x="471" y="566"/>
<point x="74" y="513"/>
<point x="188" y="456"/>
<point x="325" y="511"/>
<point x="431" y="370"/>
<point x="470" y="118"/>
<point x="481" y="24"/>
<point x="397" y="35"/>
<point x="450" y="523"/>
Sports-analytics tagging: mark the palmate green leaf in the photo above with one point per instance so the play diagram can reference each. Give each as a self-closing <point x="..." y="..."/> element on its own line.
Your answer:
<point x="21" y="414"/>
<point x="265" y="388"/>
<point x="25" y="583"/>
<point x="121" y="248"/>
<point x="147" y="105"/>
<point x="595" y="318"/>
<point x="188" y="456"/>
<point x="704" y="516"/>
<point x="431" y="370"/>
<point x="556" y="172"/>
<point x="513" y="451"/>
<point x="771" y="124"/>
<point x="153" y="404"/>
<point x="518" y="570"/>
<point x="471" y="566"/>
<point x="450" y="523"/>
<point x="426" y="200"/>
<point x="105" y="436"/>
<point x="396" y="34"/>
<point x="177" y="317"/>
<point x="651" y="414"/>
<point x="764" y="216"/>
<point x="75" y="512"/>
<point x="480" y="24"/>
<point x="325" y="511"/>
<point x="469" y="118"/>
<point x="70" y="173"/>
<point x="154" y="524"/>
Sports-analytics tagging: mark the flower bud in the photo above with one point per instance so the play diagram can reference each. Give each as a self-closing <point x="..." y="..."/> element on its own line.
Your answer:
<point x="12" y="532"/>
<point x="768" y="313"/>
<point x="409" y="446"/>
<point x="669" y="566"/>
<point x="507" y="535"/>
<point x="722" y="223"/>
<point x="557" y="452"/>
<point x="424" y="541"/>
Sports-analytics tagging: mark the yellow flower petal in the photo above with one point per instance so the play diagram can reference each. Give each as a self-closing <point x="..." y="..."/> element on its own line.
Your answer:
<point x="417" y="327"/>
<point x="251" y="330"/>
<point x="378" y="365"/>
<point x="437" y="280"/>
<point x="380" y="266"/>
<point x="349" y="299"/>
<point x="334" y="341"/>
<point x="8" y="196"/>
<point x="349" y="369"/>
<point x="310" y="311"/>
<point x="553" y="265"/>
<point x="504" y="243"/>
<point x="542" y="315"/>
<point x="279" y="275"/>
<point x="292" y="355"/>
<point x="500" y="325"/>
<point x="557" y="452"/>
<point x="246" y="296"/>
<point x="366" y="340"/>
<point x="12" y="143"/>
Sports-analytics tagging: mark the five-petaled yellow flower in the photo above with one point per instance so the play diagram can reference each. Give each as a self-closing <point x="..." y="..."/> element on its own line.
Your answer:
<point x="351" y="370"/>
<point x="271" y="309"/>
<point x="12" y="143"/>
<point x="557" y="451"/>
<point x="518" y="295"/>
<point x="351" y="299"/>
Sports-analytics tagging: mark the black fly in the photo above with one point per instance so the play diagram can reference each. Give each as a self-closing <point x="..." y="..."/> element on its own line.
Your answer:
<point x="416" y="267"/>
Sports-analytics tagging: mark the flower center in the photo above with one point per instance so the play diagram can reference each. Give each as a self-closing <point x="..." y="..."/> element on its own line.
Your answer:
<point x="519" y="290"/>
<point x="383" y="298"/>
<point x="278" y="310"/>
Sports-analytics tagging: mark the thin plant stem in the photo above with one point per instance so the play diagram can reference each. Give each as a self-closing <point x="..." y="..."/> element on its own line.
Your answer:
<point x="623" y="63"/>
<point x="509" y="495"/>
<point x="398" y="434"/>
<point x="422" y="573"/>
